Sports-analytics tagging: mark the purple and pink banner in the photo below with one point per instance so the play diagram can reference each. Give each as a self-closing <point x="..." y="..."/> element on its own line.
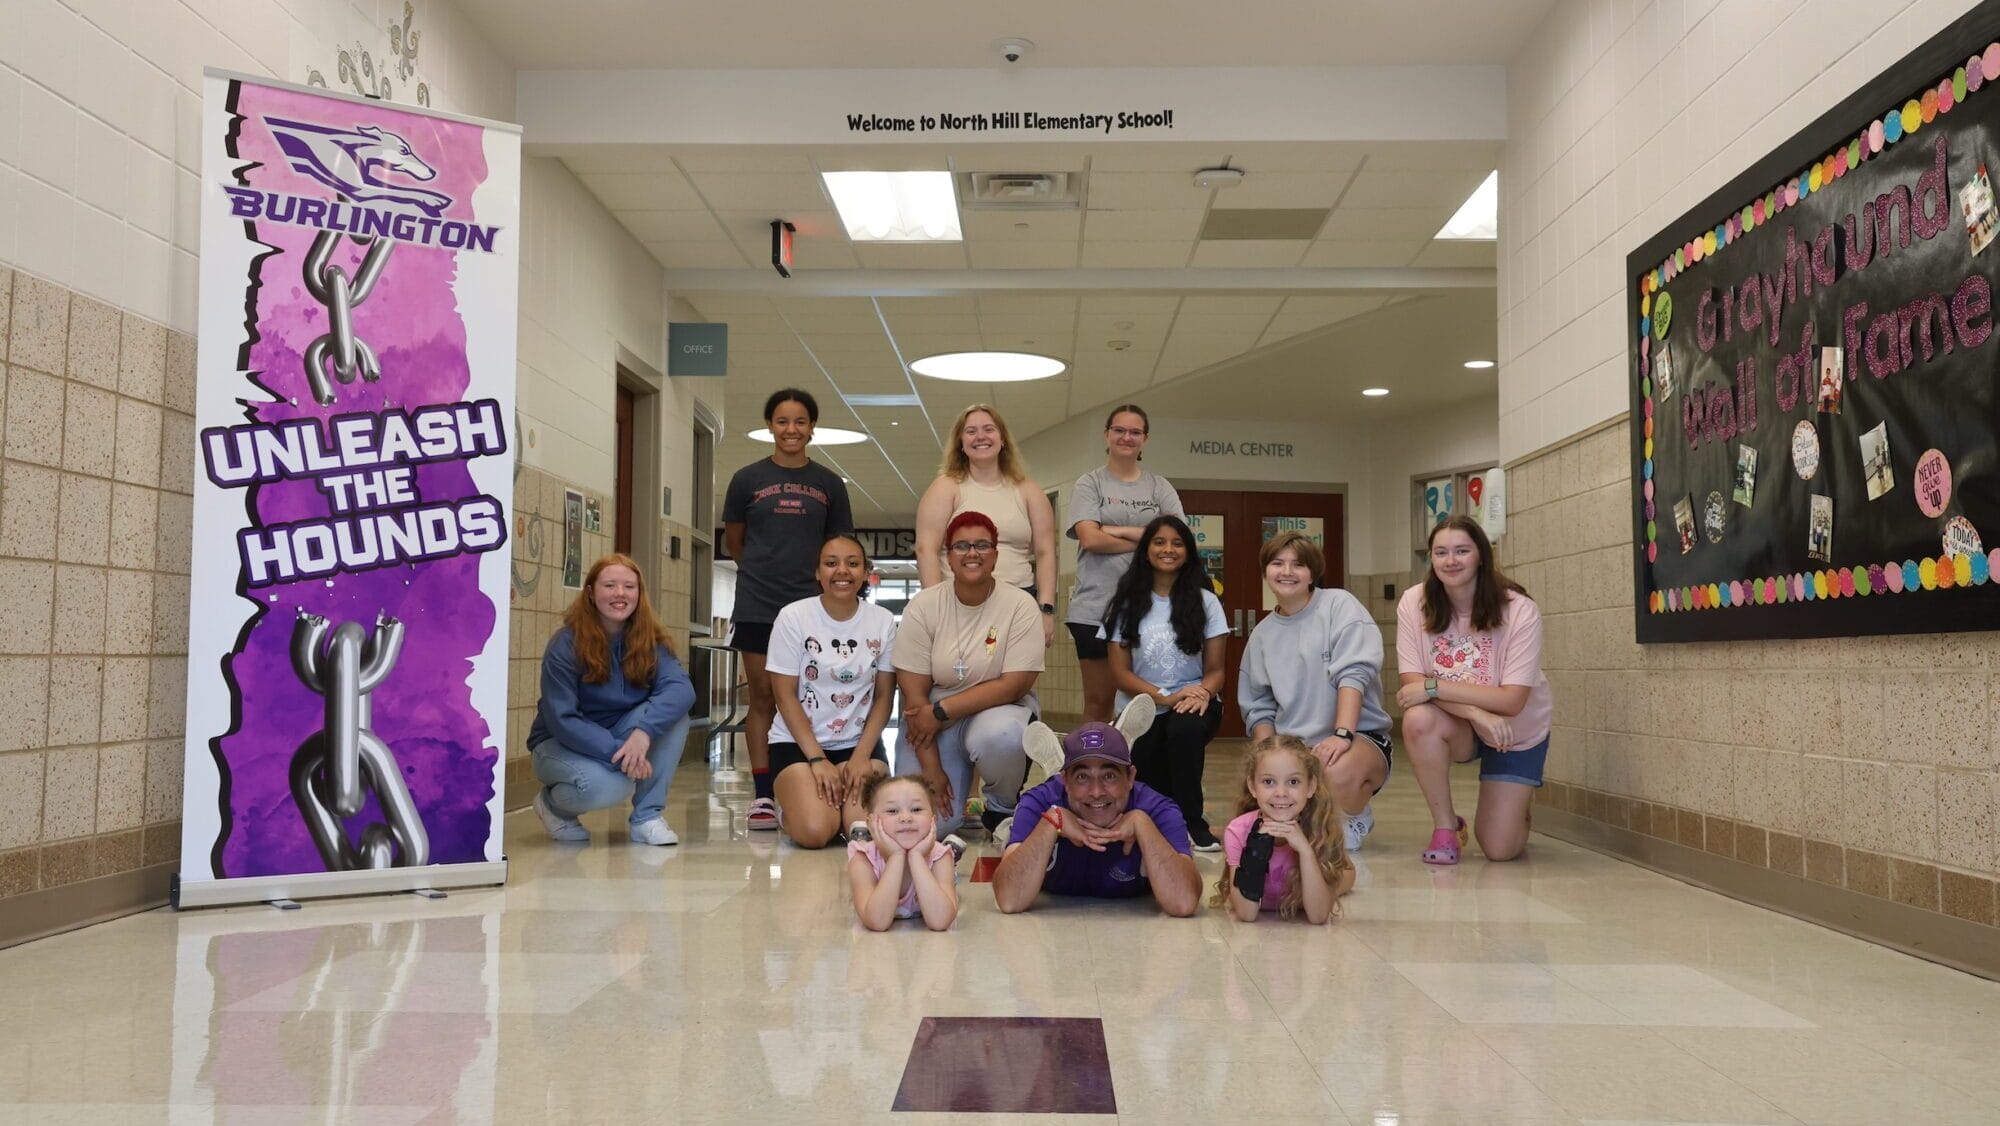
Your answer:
<point x="347" y="673"/>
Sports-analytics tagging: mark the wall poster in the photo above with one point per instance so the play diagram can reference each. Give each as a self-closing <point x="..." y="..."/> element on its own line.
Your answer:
<point x="347" y="673"/>
<point x="1815" y="419"/>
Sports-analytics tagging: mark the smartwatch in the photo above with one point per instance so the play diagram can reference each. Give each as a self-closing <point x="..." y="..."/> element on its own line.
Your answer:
<point x="1430" y="688"/>
<point x="938" y="712"/>
<point x="1048" y="607"/>
<point x="1343" y="733"/>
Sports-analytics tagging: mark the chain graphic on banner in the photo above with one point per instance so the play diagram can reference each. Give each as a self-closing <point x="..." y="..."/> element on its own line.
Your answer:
<point x="338" y="766"/>
<point x="331" y="287"/>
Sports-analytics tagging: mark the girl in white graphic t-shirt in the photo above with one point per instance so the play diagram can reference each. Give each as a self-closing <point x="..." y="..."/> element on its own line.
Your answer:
<point x="831" y="673"/>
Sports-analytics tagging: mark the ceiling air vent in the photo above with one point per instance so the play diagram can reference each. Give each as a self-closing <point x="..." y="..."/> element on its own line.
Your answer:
<point x="1003" y="191"/>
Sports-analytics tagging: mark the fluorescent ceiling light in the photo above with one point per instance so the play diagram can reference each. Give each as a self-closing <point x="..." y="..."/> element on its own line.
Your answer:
<point x="883" y="401"/>
<point x="1375" y="392"/>
<point x="989" y="367"/>
<point x="1479" y="216"/>
<point x="822" y="436"/>
<point x="895" y="206"/>
<point x="1479" y="365"/>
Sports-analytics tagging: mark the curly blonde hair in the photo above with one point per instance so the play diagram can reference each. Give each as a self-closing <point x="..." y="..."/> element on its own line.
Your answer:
<point x="1319" y="820"/>
<point x="957" y="466"/>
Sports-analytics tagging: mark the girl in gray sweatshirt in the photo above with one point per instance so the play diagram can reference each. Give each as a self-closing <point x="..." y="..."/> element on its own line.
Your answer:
<point x="1314" y="669"/>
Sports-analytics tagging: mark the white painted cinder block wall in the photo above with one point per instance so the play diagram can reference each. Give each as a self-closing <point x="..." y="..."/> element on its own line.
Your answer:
<point x="1876" y="759"/>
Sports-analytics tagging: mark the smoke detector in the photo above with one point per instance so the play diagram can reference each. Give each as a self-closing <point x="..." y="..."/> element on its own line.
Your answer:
<point x="1224" y="177"/>
<point x="1012" y="48"/>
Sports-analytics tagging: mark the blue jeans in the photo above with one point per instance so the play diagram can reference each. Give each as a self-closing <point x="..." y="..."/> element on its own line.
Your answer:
<point x="991" y="741"/>
<point x="574" y="783"/>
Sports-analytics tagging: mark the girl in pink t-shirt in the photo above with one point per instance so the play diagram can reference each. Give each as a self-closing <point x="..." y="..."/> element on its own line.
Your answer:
<point x="1469" y="651"/>
<point x="1285" y="812"/>
<point x="897" y="869"/>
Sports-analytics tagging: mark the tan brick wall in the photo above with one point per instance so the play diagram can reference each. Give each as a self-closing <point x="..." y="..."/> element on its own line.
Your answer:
<point x="96" y="476"/>
<point x="1871" y="763"/>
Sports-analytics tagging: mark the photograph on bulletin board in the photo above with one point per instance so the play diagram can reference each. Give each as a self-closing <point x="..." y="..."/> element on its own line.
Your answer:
<point x="1815" y="382"/>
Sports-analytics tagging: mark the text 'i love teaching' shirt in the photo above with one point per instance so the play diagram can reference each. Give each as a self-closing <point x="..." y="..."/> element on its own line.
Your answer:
<point x="1511" y="654"/>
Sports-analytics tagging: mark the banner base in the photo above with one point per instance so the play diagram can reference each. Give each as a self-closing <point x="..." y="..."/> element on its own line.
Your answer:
<point x="324" y="885"/>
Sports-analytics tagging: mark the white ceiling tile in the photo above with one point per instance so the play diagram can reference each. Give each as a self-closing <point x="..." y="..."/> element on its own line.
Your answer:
<point x="1007" y="325"/>
<point x="899" y="158"/>
<point x="1284" y="189"/>
<point x="742" y="158"/>
<point x="1125" y="191"/>
<point x="1127" y="304"/>
<point x="911" y="255"/>
<point x="1021" y="226"/>
<point x="643" y="191"/>
<point x="1040" y="305"/>
<point x="1249" y="253"/>
<point x="1365" y="223"/>
<point x="918" y="345"/>
<point x="1022" y="256"/>
<point x="1160" y="156"/>
<point x="1369" y="253"/>
<point x="1019" y="158"/>
<point x="1282" y="156"/>
<point x="1135" y="255"/>
<point x="697" y="255"/>
<point x="1204" y="305"/>
<point x="932" y="324"/>
<point x="1218" y="324"/>
<point x="1447" y="189"/>
<point x="671" y="226"/>
<point x="1142" y="225"/>
<point x="926" y="306"/>
<point x="1454" y="253"/>
<point x="583" y="159"/>
<point x="777" y="192"/>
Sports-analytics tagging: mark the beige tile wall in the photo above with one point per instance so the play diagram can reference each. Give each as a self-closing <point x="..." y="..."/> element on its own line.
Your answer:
<point x="1871" y="762"/>
<point x="96" y="473"/>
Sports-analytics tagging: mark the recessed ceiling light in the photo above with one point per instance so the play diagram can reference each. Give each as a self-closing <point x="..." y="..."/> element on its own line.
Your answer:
<point x="822" y="436"/>
<point x="1375" y="392"/>
<point x="1479" y="216"/>
<point x="1479" y="365"/>
<point x="989" y="367"/>
<point x="883" y="400"/>
<point x="895" y="206"/>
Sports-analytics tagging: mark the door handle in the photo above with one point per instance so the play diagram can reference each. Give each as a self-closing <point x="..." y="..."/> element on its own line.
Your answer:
<point x="1236" y="623"/>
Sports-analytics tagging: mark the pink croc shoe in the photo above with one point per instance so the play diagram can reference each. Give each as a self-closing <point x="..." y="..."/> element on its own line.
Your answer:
<point x="1444" y="846"/>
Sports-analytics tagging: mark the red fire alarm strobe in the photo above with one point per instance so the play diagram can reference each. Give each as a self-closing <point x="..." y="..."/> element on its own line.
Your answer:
<point x="781" y="246"/>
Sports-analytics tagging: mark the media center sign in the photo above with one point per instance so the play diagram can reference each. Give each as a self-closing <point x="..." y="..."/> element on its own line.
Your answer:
<point x="1229" y="447"/>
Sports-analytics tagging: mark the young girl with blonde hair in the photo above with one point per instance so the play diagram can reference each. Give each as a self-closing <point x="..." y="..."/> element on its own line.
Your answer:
<point x="1284" y="815"/>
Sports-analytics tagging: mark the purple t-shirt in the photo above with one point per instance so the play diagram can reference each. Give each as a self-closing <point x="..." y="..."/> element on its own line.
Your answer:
<point x="1111" y="874"/>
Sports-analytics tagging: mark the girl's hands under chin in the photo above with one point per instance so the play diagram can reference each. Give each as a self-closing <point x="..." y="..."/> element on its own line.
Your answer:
<point x="884" y="843"/>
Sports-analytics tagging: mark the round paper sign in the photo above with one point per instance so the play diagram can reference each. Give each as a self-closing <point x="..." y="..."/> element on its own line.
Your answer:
<point x="1933" y="483"/>
<point x="1961" y="538"/>
<point x="1805" y="450"/>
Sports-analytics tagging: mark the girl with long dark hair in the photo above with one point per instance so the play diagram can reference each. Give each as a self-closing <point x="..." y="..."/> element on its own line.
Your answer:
<point x="1469" y="650"/>
<point x="1167" y="639"/>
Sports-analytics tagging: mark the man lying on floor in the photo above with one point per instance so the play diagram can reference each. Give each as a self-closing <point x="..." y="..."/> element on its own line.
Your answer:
<point x="1094" y="829"/>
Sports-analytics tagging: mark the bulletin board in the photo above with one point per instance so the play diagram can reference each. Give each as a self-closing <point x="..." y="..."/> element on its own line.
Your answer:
<point x="1815" y="378"/>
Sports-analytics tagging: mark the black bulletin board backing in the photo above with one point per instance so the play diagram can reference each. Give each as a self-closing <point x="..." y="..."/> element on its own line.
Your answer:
<point x="1873" y="234"/>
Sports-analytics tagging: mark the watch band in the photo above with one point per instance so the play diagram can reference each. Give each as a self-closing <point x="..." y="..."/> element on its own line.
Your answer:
<point x="1430" y="688"/>
<point x="1343" y="733"/>
<point x="938" y="713"/>
<point x="1048" y="607"/>
<point x="815" y="758"/>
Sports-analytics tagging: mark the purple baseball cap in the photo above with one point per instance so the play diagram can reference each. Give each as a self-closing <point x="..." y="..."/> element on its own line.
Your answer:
<point x="1096" y="741"/>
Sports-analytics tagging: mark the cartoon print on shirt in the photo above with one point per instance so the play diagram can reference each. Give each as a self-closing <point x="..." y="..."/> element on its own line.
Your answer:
<point x="875" y="647"/>
<point x="841" y="699"/>
<point x="844" y="646"/>
<point x="812" y="670"/>
<point x="1468" y="658"/>
<point x="812" y="644"/>
<point x="809" y="698"/>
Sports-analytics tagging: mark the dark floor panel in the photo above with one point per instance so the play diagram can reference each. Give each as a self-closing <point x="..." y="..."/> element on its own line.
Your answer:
<point x="1008" y="1065"/>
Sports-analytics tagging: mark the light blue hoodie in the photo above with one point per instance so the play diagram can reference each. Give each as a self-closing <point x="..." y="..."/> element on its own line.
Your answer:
<point x="1294" y="668"/>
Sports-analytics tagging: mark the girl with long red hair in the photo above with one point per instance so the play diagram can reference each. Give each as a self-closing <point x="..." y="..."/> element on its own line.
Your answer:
<point x="613" y="712"/>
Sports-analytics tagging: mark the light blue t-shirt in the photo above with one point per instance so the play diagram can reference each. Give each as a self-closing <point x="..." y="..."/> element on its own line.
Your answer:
<point x="1158" y="658"/>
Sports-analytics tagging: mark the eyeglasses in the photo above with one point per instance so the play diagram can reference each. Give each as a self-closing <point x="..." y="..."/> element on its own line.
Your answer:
<point x="1121" y="432"/>
<point x="968" y="547"/>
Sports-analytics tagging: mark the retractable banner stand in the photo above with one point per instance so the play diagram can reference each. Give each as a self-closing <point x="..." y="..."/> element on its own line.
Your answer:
<point x="347" y="674"/>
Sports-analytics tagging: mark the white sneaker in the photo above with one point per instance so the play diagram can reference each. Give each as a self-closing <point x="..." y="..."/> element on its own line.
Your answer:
<point x="860" y="832"/>
<point x="560" y="828"/>
<point x="1002" y="832"/>
<point x="655" y="832"/>
<point x="1357" y="826"/>
<point x="956" y="844"/>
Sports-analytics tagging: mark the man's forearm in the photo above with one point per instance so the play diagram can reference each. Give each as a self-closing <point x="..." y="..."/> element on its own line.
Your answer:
<point x="1018" y="879"/>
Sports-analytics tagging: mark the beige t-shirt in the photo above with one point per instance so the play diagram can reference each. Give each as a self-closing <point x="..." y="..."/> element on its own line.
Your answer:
<point x="1003" y="505"/>
<point x="960" y="646"/>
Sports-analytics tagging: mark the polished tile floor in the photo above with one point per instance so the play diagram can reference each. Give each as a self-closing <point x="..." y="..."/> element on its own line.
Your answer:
<point x="725" y="981"/>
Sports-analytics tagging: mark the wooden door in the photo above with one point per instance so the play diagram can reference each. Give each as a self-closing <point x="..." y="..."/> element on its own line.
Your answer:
<point x="1230" y="529"/>
<point x="621" y="502"/>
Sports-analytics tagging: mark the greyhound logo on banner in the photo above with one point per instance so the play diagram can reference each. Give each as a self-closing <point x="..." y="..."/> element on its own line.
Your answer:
<point x="352" y="162"/>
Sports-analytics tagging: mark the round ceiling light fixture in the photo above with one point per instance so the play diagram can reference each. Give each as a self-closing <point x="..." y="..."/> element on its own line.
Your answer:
<point x="1375" y="392"/>
<point x="1479" y="365"/>
<point x="822" y="436"/>
<point x="989" y="367"/>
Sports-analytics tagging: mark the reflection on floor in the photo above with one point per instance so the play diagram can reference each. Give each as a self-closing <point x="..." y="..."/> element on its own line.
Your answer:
<point x="725" y="981"/>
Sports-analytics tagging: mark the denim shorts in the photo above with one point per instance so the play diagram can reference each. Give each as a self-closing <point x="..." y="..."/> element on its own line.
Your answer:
<point x="1523" y="767"/>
